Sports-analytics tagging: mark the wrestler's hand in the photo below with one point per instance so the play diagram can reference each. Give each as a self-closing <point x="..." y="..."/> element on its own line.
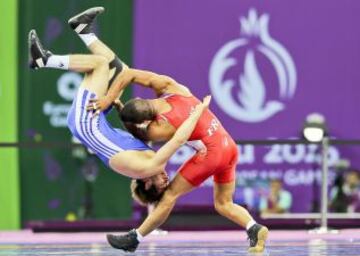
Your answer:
<point x="118" y="105"/>
<point x="98" y="105"/>
<point x="206" y="101"/>
<point x="199" y="108"/>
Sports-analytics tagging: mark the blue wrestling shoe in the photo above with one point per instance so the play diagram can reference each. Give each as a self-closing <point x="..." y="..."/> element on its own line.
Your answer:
<point x="83" y="23"/>
<point x="38" y="56"/>
<point x="257" y="235"/>
<point x="127" y="242"/>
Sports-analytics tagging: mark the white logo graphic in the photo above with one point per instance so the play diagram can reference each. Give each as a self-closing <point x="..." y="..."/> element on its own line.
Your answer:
<point x="244" y="98"/>
<point x="67" y="86"/>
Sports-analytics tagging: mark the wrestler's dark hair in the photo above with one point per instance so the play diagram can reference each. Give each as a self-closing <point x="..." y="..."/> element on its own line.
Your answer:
<point x="137" y="111"/>
<point x="143" y="196"/>
<point x="140" y="133"/>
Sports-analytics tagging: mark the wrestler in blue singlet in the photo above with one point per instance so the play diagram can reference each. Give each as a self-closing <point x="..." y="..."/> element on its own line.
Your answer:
<point x="96" y="133"/>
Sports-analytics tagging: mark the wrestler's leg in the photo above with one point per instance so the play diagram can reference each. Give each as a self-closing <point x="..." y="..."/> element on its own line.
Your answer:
<point x="116" y="66"/>
<point x="191" y="174"/>
<point x="129" y="242"/>
<point x="178" y="187"/>
<point x="83" y="24"/>
<point x="224" y="205"/>
<point x="94" y="65"/>
<point x="95" y="81"/>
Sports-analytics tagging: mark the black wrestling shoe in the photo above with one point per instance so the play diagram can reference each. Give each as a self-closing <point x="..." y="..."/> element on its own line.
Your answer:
<point x="82" y="23"/>
<point x="257" y="235"/>
<point x="127" y="242"/>
<point x="38" y="56"/>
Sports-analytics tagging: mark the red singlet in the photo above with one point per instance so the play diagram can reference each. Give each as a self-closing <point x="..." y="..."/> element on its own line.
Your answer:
<point x="221" y="151"/>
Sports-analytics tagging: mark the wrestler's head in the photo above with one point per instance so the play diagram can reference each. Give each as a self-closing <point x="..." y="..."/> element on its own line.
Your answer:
<point x="149" y="190"/>
<point x="137" y="111"/>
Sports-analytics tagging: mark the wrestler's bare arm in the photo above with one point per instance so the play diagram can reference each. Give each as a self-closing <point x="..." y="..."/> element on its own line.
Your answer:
<point x="159" y="83"/>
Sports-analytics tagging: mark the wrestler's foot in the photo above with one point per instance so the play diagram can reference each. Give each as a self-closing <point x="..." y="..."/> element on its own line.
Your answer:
<point x="38" y="56"/>
<point x="82" y="23"/>
<point x="127" y="242"/>
<point x="257" y="235"/>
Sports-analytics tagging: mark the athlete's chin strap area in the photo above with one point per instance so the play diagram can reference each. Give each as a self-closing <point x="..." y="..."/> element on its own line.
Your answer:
<point x="118" y="65"/>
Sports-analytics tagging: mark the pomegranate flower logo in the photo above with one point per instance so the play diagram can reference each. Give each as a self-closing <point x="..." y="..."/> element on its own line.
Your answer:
<point x="244" y="98"/>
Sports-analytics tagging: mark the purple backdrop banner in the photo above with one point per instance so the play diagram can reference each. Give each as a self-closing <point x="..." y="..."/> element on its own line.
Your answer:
<point x="268" y="64"/>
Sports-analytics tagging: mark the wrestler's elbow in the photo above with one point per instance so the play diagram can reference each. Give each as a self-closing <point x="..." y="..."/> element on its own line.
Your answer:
<point x="170" y="197"/>
<point x="161" y="82"/>
<point x="129" y="75"/>
<point x="153" y="167"/>
<point x="179" y="139"/>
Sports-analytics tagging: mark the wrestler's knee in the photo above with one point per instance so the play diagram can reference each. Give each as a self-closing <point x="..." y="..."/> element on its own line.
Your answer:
<point x="118" y="67"/>
<point x="222" y="206"/>
<point x="99" y="60"/>
<point x="170" y="196"/>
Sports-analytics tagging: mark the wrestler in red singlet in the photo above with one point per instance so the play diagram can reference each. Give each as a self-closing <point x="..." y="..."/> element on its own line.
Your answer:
<point x="221" y="151"/>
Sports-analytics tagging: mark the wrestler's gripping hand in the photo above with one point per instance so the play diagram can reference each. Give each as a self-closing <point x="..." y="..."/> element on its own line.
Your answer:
<point x="206" y="101"/>
<point x="99" y="105"/>
<point x="204" y="104"/>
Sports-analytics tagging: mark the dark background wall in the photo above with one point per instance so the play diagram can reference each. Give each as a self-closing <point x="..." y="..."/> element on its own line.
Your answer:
<point x="65" y="183"/>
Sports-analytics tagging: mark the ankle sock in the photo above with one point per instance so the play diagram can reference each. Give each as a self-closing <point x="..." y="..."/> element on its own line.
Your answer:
<point x="88" y="38"/>
<point x="250" y="224"/>
<point x="58" y="61"/>
<point x="139" y="236"/>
